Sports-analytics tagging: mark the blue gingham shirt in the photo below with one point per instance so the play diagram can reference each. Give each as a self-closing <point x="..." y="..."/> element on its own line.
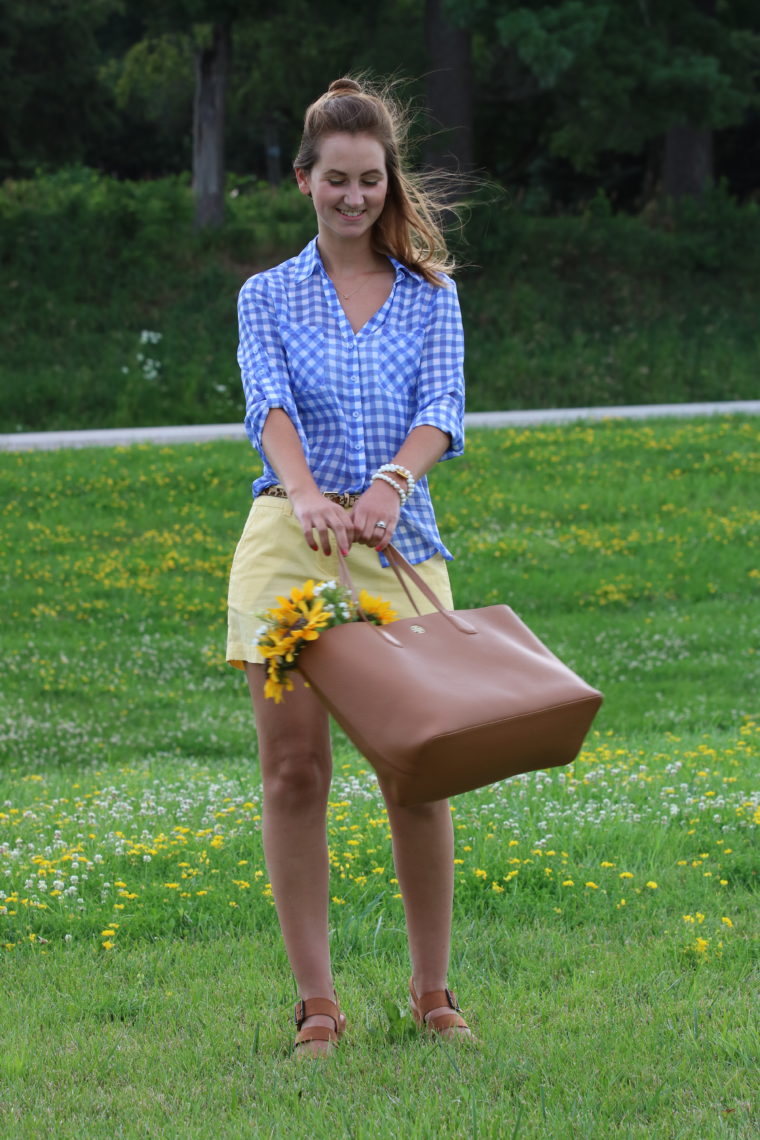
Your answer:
<point x="353" y="397"/>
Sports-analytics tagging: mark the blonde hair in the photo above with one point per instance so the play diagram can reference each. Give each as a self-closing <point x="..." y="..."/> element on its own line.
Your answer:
<point x="409" y="227"/>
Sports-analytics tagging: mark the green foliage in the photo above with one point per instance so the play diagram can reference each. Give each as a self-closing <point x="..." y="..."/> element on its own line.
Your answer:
<point x="155" y="79"/>
<point x="567" y="94"/>
<point x="595" y="309"/>
<point x="50" y="92"/>
<point x="553" y="39"/>
<point x="610" y="76"/>
<point x="609" y="309"/>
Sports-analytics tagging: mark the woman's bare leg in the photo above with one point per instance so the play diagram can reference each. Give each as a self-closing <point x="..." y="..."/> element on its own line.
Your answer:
<point x="296" y="767"/>
<point x="423" y="852"/>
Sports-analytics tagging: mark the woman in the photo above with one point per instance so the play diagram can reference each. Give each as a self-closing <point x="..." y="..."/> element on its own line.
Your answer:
<point x="351" y="360"/>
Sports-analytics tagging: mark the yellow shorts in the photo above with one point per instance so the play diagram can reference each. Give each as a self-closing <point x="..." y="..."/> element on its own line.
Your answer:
<point x="273" y="556"/>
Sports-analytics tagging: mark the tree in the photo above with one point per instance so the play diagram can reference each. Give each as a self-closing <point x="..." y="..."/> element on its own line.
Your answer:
<point x="449" y="89"/>
<point x="50" y="91"/>
<point x="209" y="23"/>
<point x="211" y="76"/>
<point x="613" y="76"/>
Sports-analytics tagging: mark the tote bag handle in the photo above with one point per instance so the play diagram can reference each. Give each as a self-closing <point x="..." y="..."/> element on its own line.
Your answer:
<point x="402" y="568"/>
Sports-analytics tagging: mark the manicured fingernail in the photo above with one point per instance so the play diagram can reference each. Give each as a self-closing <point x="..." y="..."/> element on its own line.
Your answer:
<point x="344" y="553"/>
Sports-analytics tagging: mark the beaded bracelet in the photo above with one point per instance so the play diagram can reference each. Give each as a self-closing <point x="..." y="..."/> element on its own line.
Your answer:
<point x="396" y="468"/>
<point x="391" y="483"/>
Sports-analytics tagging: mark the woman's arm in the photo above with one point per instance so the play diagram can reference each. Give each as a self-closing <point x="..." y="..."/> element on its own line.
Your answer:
<point x="314" y="512"/>
<point x="420" y="451"/>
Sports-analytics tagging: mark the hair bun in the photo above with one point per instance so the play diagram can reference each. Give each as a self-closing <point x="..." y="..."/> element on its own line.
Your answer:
<point x="344" y="86"/>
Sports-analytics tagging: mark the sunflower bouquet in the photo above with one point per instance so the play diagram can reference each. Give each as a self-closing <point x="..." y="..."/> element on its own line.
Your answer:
<point x="300" y="618"/>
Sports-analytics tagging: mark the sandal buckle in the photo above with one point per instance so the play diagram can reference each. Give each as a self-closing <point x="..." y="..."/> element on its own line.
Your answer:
<point x="300" y="1013"/>
<point x="452" y="1000"/>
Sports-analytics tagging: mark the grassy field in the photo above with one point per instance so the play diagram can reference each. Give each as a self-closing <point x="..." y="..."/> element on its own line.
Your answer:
<point x="606" y="921"/>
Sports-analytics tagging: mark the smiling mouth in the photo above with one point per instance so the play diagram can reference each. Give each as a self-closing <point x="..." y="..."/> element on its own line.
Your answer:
<point x="351" y="213"/>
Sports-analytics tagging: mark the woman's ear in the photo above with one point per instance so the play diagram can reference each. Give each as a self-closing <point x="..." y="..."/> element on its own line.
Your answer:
<point x="302" y="178"/>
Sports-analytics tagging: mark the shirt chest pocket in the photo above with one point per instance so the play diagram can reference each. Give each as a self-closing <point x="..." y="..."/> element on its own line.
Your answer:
<point x="398" y="360"/>
<point x="306" y="354"/>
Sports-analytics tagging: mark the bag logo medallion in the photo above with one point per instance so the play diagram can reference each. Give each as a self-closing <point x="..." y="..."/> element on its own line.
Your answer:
<point x="417" y="628"/>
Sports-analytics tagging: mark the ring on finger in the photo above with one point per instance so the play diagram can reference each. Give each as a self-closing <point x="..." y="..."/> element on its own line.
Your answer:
<point x="381" y="524"/>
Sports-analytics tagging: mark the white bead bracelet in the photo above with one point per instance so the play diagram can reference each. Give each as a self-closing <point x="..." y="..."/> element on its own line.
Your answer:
<point x="391" y="483"/>
<point x="397" y="469"/>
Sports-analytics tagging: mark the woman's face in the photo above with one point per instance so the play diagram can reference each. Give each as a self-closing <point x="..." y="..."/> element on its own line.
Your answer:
<point x="348" y="183"/>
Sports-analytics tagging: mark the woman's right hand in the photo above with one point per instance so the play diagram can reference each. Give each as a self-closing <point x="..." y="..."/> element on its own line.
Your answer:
<point x="317" y="514"/>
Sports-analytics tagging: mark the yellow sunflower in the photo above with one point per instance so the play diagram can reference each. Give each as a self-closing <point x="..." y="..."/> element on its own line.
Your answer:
<point x="377" y="610"/>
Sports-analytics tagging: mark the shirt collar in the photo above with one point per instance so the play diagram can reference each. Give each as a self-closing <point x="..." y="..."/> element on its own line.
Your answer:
<point x="308" y="261"/>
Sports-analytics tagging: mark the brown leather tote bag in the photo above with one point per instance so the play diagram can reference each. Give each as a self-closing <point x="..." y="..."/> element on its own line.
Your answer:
<point x="451" y="700"/>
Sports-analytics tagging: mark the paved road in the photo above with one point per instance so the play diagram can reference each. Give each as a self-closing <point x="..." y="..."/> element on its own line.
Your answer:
<point x="122" y="437"/>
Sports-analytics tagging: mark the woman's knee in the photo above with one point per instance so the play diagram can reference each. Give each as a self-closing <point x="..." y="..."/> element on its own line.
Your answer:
<point x="296" y="776"/>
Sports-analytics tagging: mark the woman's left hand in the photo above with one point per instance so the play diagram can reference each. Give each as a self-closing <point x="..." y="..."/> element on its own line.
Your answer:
<point x="379" y="504"/>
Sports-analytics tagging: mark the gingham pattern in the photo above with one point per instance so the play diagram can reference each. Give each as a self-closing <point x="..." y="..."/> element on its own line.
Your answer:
<point x="353" y="398"/>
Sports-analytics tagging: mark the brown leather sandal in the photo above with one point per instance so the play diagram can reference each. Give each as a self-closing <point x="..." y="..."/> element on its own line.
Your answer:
<point x="327" y="1008"/>
<point x="449" y="1025"/>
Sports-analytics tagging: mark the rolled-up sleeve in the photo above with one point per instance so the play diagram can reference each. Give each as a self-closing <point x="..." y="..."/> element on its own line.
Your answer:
<point x="263" y="364"/>
<point x="440" y="390"/>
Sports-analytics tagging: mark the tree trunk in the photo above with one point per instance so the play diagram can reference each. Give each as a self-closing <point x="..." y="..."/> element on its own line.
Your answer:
<point x="449" y="91"/>
<point x="688" y="161"/>
<point x="211" y="69"/>
<point x="688" y="154"/>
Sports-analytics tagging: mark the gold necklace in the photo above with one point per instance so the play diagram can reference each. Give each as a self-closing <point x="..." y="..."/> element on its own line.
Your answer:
<point x="348" y="296"/>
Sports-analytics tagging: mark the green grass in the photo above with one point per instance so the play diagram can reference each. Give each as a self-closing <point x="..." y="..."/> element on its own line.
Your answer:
<point x="606" y="921"/>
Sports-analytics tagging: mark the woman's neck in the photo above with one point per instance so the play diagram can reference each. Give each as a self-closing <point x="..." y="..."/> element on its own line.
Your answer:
<point x="349" y="258"/>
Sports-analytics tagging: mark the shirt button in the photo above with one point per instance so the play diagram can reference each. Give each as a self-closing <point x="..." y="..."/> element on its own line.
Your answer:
<point x="355" y="415"/>
<point x="354" y="377"/>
